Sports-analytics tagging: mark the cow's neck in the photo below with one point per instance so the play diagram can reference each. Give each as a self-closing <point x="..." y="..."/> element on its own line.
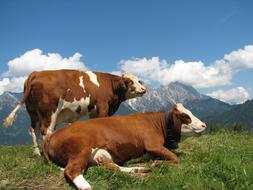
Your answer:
<point x="119" y="91"/>
<point x="171" y="136"/>
<point x="114" y="104"/>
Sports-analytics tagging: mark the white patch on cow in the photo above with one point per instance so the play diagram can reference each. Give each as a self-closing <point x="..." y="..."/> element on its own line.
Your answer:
<point x="100" y="156"/>
<point x="81" y="183"/>
<point x="93" y="77"/>
<point x="195" y="127"/>
<point x="136" y="89"/>
<point x="81" y="83"/>
<point x="66" y="111"/>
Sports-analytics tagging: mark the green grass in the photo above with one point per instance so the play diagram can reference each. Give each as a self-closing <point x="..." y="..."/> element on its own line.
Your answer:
<point x="219" y="161"/>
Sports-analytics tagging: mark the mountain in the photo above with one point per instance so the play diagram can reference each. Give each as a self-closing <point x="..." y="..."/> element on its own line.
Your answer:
<point x="125" y="109"/>
<point x="204" y="108"/>
<point x="240" y="114"/>
<point x="164" y="97"/>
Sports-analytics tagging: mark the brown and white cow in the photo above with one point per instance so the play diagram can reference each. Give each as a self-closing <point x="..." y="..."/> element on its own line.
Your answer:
<point x="53" y="97"/>
<point x="112" y="141"/>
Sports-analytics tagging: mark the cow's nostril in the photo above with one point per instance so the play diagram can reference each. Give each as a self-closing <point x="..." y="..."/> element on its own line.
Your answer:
<point x="204" y="126"/>
<point x="143" y="89"/>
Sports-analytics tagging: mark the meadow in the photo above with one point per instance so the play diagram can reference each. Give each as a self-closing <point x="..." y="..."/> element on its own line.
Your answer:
<point x="222" y="160"/>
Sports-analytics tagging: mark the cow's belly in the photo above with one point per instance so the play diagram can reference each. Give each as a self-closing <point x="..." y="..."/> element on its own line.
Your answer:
<point x="71" y="111"/>
<point x="67" y="115"/>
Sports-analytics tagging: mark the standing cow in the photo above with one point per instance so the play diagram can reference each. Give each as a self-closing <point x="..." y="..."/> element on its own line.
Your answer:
<point x="53" y="97"/>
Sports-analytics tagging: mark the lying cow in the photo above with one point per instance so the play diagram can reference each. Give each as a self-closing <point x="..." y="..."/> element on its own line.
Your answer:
<point x="112" y="141"/>
<point x="53" y="97"/>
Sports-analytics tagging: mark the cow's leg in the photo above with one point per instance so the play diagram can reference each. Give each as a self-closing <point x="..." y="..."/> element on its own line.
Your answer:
<point x="75" y="168"/>
<point x="36" y="150"/>
<point x="32" y="130"/>
<point x="48" y="123"/>
<point x="129" y="170"/>
<point x="103" y="109"/>
<point x="164" y="153"/>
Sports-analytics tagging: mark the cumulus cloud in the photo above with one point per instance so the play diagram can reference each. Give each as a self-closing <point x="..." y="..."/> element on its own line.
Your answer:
<point x="195" y="73"/>
<point x="34" y="60"/>
<point x="240" y="59"/>
<point x="236" y="95"/>
<point x="14" y="84"/>
<point x="192" y="73"/>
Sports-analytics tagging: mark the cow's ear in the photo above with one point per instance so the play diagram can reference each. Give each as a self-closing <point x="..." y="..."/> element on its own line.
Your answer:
<point x="128" y="82"/>
<point x="119" y="85"/>
<point x="184" y="118"/>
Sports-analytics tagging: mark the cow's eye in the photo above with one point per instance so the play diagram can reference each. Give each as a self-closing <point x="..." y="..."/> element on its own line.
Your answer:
<point x="141" y="82"/>
<point x="185" y="117"/>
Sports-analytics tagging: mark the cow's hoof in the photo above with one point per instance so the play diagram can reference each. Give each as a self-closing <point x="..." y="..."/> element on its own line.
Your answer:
<point x="36" y="152"/>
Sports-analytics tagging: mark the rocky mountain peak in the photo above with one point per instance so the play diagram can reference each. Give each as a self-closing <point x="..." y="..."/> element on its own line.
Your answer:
<point x="9" y="98"/>
<point x="164" y="96"/>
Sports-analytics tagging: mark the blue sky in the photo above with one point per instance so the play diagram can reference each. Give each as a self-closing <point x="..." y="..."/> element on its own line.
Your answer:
<point x="122" y="35"/>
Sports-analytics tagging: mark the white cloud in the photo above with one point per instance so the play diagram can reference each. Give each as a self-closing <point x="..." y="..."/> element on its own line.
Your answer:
<point x="240" y="59"/>
<point x="195" y="73"/>
<point x="192" y="73"/>
<point x="34" y="60"/>
<point x="14" y="84"/>
<point x="236" y="95"/>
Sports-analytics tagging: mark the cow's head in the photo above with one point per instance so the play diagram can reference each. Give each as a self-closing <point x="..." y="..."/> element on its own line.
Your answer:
<point x="185" y="123"/>
<point x="135" y="87"/>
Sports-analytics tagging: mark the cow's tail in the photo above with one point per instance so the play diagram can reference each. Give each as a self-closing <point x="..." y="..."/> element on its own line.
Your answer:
<point x="45" y="146"/>
<point x="27" y="87"/>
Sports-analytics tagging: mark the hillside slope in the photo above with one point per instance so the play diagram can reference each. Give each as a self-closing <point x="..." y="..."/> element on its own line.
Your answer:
<point x="219" y="161"/>
<point x="240" y="114"/>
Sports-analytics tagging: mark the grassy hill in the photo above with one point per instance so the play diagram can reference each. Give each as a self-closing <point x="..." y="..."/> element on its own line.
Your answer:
<point x="216" y="161"/>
